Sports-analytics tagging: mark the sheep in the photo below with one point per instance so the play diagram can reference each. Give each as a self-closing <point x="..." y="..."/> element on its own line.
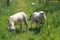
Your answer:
<point x="18" y="18"/>
<point x="38" y="18"/>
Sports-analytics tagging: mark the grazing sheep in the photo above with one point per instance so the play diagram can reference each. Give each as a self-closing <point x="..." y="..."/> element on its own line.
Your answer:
<point x="17" y="18"/>
<point x="38" y="17"/>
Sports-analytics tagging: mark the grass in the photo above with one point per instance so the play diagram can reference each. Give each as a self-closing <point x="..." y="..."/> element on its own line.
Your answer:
<point x="50" y="31"/>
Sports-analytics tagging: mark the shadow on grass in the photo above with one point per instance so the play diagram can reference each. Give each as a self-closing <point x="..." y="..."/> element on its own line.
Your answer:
<point x="31" y="39"/>
<point x="18" y="31"/>
<point x="36" y="30"/>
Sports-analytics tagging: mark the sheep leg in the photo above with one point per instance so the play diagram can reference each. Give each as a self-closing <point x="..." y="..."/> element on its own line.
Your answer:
<point x="37" y="24"/>
<point x="20" y="26"/>
<point x="25" y="21"/>
<point x="26" y="25"/>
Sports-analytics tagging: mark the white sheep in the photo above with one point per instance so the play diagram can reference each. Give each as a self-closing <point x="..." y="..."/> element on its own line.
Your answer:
<point x="17" y="18"/>
<point x="38" y="17"/>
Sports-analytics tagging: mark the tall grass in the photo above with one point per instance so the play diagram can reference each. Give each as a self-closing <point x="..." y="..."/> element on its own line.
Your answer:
<point x="50" y="31"/>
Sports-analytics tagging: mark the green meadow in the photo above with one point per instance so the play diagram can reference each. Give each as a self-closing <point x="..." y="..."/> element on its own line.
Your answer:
<point x="49" y="31"/>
